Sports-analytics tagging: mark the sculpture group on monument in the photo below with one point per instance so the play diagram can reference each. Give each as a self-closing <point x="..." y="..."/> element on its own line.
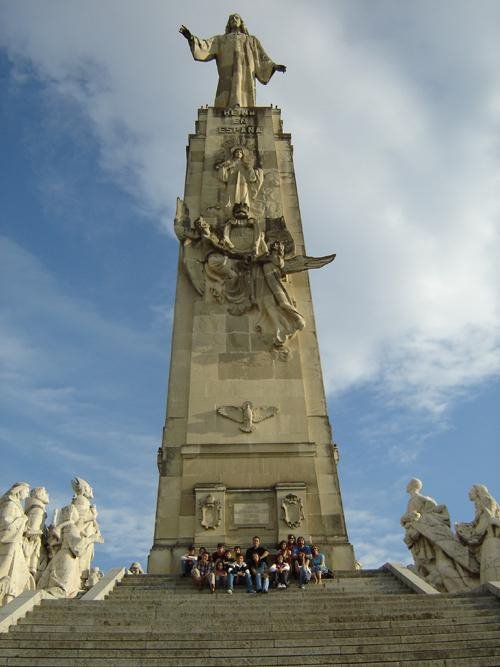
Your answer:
<point x="449" y="561"/>
<point x="238" y="251"/>
<point x="57" y="557"/>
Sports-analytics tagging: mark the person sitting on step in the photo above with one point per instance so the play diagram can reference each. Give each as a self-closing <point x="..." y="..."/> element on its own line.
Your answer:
<point x="303" y="548"/>
<point x="203" y="572"/>
<point x="303" y="569"/>
<point x="219" y="553"/>
<point x="220" y="573"/>
<point x="229" y="559"/>
<point x="318" y="565"/>
<point x="201" y="551"/>
<point x="260" y="575"/>
<point x="188" y="561"/>
<point x="239" y="572"/>
<point x="279" y="572"/>
<point x="284" y="551"/>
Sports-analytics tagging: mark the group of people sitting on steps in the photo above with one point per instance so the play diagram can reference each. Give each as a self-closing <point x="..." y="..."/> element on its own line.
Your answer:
<point x="257" y="568"/>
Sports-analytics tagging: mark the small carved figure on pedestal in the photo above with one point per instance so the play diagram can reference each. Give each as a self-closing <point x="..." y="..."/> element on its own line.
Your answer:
<point x="240" y="178"/>
<point x="95" y="576"/>
<point x="135" y="568"/>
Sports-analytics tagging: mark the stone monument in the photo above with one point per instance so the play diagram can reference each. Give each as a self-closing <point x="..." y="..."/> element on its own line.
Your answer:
<point x="247" y="445"/>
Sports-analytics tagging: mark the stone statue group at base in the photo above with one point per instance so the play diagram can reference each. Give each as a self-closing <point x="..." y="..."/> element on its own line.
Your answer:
<point x="56" y="558"/>
<point x="453" y="561"/>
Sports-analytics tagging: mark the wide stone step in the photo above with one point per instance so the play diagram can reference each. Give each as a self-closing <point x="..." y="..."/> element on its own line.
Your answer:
<point x="348" y="582"/>
<point x="126" y="643"/>
<point x="150" y="579"/>
<point x="256" y="621"/>
<point x="381" y="624"/>
<point x="275" y="599"/>
<point x="483" y="657"/>
<point x="256" y="615"/>
<point x="312" y="590"/>
<point x="236" y="652"/>
<point x="186" y="582"/>
<point x="224" y="612"/>
<point x="397" y="629"/>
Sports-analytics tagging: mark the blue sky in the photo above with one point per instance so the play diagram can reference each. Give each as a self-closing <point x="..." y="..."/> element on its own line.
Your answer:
<point x="394" y="112"/>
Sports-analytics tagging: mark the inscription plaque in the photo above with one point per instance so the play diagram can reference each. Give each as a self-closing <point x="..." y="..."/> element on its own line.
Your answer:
<point x="251" y="514"/>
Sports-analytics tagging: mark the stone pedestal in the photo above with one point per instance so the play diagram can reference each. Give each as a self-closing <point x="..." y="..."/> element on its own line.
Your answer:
<point x="219" y="482"/>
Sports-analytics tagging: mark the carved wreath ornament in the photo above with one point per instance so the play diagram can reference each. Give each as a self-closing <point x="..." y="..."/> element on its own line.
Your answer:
<point x="293" y="510"/>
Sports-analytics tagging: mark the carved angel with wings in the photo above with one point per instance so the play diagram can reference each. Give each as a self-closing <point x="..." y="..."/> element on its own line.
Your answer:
<point x="286" y="318"/>
<point x="247" y="415"/>
<point x="249" y="276"/>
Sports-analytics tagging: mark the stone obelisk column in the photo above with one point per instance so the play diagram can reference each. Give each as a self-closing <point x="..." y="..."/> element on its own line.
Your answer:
<point x="247" y="445"/>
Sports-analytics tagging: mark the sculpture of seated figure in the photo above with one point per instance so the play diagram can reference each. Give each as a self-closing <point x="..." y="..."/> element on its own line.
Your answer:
<point x="439" y="556"/>
<point x="15" y="576"/>
<point x="482" y="535"/>
<point x="62" y="576"/>
<point x="87" y="522"/>
<point x="35" y="527"/>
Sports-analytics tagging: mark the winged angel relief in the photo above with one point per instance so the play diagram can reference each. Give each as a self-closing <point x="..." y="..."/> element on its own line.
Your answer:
<point x="233" y="262"/>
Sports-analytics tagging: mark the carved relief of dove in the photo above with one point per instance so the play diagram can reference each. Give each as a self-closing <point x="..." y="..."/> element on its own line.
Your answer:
<point x="247" y="415"/>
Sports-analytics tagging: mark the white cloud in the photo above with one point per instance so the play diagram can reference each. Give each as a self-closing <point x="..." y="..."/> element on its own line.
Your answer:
<point x="374" y="539"/>
<point x="401" y="185"/>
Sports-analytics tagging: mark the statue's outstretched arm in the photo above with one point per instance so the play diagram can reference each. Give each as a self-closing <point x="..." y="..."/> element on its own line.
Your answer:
<point x="185" y="32"/>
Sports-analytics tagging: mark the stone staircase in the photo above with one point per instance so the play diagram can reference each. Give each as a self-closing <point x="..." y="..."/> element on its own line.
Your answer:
<point x="363" y="618"/>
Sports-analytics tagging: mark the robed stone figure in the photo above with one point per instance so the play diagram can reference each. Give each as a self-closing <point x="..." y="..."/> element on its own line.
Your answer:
<point x="240" y="60"/>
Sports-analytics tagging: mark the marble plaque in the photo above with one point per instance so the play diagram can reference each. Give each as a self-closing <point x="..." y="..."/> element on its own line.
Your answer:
<point x="251" y="514"/>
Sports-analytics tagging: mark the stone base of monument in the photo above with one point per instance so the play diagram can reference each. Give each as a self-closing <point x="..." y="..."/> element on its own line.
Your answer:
<point x="368" y="617"/>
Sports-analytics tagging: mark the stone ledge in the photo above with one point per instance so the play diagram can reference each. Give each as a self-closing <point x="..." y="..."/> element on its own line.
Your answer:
<point x="254" y="450"/>
<point x="105" y="586"/>
<point x="19" y="607"/>
<point x="409" y="578"/>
